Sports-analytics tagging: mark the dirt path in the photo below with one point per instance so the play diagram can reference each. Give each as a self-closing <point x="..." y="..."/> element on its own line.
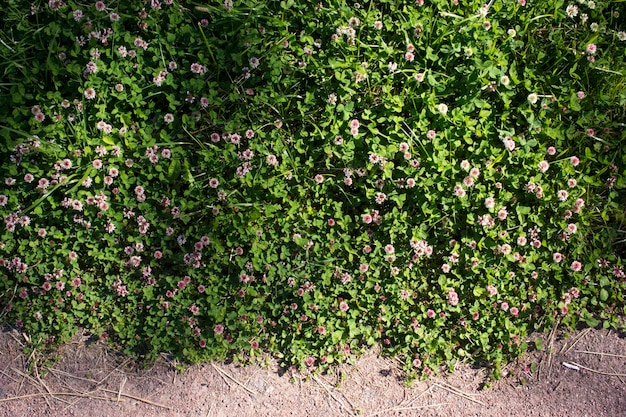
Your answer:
<point x="93" y="382"/>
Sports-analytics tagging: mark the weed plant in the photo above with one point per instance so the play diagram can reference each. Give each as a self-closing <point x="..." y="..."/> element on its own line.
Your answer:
<point x="310" y="179"/>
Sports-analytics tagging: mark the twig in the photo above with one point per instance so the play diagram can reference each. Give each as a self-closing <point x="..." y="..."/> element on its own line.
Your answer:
<point x="459" y="393"/>
<point x="109" y="374"/>
<point x="354" y="408"/>
<point x="119" y="393"/>
<point x="251" y="376"/>
<point x="316" y="379"/>
<point x="57" y="371"/>
<point x="154" y="378"/>
<point x="457" y="389"/>
<point x="600" y="353"/>
<point x="208" y="414"/>
<point x="550" y="352"/>
<point x="223" y="373"/>
<point x="32" y="354"/>
<point x="19" y="388"/>
<point x="325" y="384"/>
<point x="597" y="372"/>
<point x="143" y="400"/>
<point x="43" y="384"/>
<point x="39" y="378"/>
<point x="26" y="376"/>
<point x="72" y="404"/>
<point x="578" y="339"/>
<point x="225" y="378"/>
<point x="70" y="394"/>
<point x="32" y="380"/>
<point x="426" y="391"/>
<point x="15" y="338"/>
<point x="8" y="376"/>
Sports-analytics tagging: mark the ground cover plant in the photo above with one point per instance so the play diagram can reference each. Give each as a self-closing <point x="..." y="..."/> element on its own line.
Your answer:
<point x="310" y="179"/>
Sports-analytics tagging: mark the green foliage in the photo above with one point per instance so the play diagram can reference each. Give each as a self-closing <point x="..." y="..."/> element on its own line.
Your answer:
<point x="311" y="179"/>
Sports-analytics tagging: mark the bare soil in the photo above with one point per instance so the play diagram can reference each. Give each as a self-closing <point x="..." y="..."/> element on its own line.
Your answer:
<point x="577" y="374"/>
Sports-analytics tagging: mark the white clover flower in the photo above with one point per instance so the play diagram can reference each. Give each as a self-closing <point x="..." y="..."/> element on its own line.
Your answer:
<point x="511" y="32"/>
<point x="509" y="143"/>
<point x="505" y="81"/>
<point x="532" y="98"/>
<point x="354" y="22"/>
<point x="572" y="10"/>
<point x="442" y="108"/>
<point x="484" y="10"/>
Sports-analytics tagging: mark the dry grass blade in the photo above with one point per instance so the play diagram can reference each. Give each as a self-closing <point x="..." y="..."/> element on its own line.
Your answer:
<point x="53" y="394"/>
<point x="458" y="392"/>
<point x="426" y="391"/>
<point x="119" y="393"/>
<point x="597" y="372"/>
<point x="59" y="372"/>
<point x="323" y="380"/>
<point x="223" y="373"/>
<point x="208" y="414"/>
<point x="110" y="373"/>
<point x="27" y="377"/>
<point x="600" y="353"/>
<point x="133" y="397"/>
<point x="457" y="389"/>
<point x="73" y="404"/>
<point x="37" y="384"/>
<point x="8" y="376"/>
<point x="549" y="352"/>
<point x="408" y="405"/>
<point x="43" y="384"/>
<point x="84" y="395"/>
<point x="323" y="385"/>
<point x="12" y="334"/>
<point x="575" y="341"/>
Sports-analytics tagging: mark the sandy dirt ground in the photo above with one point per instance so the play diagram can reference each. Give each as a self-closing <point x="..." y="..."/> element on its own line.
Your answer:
<point x="578" y="374"/>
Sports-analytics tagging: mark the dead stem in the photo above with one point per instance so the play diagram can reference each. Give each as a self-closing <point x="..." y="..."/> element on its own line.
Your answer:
<point x="323" y="385"/>
<point x="223" y="373"/>
<point x="597" y="372"/>
<point x="426" y="391"/>
<point x="458" y="392"/>
<point x="600" y="353"/>
<point x="576" y="340"/>
<point x="143" y="400"/>
<point x="53" y="394"/>
<point x="110" y="373"/>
